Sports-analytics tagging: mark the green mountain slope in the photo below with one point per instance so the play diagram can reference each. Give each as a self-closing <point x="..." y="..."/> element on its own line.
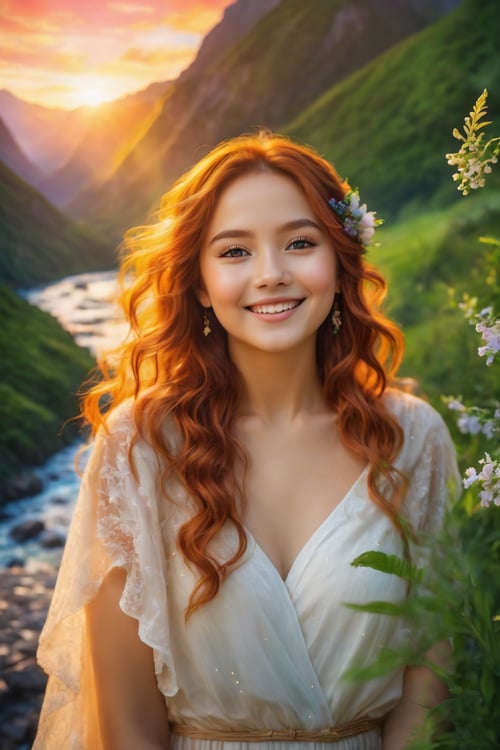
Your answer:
<point x="37" y="242"/>
<point x="291" y="56"/>
<point x="41" y="371"/>
<point x="423" y="258"/>
<point x="388" y="126"/>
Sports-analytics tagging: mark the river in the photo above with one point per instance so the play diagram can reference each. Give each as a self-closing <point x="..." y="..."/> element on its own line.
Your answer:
<point x="85" y="306"/>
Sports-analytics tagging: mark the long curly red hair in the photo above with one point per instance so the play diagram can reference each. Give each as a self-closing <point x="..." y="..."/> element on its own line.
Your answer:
<point x="173" y="373"/>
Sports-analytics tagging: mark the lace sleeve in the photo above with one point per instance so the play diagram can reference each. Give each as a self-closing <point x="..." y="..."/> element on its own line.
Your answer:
<point x="428" y="460"/>
<point x="434" y="480"/>
<point x="115" y="524"/>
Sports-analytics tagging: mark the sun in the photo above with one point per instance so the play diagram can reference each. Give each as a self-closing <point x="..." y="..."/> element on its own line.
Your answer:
<point x="91" y="91"/>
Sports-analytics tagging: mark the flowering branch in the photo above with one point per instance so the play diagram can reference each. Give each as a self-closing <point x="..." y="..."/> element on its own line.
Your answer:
<point x="474" y="420"/>
<point x="488" y="478"/>
<point x="474" y="159"/>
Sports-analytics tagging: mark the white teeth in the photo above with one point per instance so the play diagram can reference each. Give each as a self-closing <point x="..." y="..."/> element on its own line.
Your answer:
<point x="277" y="308"/>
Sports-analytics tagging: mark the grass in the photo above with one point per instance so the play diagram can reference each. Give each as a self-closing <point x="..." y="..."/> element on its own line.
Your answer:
<point x="423" y="258"/>
<point x="42" y="369"/>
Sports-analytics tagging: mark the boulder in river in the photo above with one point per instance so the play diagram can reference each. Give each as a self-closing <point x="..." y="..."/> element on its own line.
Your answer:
<point x="25" y="484"/>
<point x="27" y="530"/>
<point x="51" y="539"/>
<point x="24" y="599"/>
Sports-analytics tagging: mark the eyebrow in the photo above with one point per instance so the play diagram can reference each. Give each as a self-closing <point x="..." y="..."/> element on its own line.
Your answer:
<point x="295" y="224"/>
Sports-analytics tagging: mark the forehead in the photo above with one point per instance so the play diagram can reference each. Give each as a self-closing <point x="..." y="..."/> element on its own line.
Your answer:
<point x="263" y="197"/>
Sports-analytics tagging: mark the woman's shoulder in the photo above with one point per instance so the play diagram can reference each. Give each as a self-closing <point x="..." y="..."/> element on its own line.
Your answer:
<point x="428" y="456"/>
<point x="413" y="413"/>
<point x="127" y="420"/>
<point x="121" y="418"/>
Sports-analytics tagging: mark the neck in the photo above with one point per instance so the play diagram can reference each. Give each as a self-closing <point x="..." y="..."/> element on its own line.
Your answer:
<point x="279" y="386"/>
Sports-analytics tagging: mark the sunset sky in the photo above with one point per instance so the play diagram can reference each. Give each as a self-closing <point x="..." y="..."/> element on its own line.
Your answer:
<point x="64" y="53"/>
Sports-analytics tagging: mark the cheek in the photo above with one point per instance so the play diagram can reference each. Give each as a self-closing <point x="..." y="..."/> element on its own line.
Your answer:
<point x="223" y="285"/>
<point x="322" y="275"/>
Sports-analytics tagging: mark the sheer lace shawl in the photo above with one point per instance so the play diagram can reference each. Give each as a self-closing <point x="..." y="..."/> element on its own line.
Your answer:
<point x="116" y="523"/>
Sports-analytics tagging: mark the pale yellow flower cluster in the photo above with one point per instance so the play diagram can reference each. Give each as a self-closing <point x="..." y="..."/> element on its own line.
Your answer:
<point x="475" y="157"/>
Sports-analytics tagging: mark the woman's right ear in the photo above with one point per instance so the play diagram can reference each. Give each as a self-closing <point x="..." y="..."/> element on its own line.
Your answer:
<point x="203" y="298"/>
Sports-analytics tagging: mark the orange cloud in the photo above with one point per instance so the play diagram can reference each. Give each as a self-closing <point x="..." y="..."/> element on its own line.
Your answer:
<point x="199" y="17"/>
<point x="48" y="44"/>
<point x="154" y="56"/>
<point x="130" y="9"/>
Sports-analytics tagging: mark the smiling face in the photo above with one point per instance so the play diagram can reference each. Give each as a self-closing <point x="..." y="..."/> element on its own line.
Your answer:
<point x="268" y="268"/>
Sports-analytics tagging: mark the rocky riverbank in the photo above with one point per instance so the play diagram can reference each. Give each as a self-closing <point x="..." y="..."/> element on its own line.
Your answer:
<point x="25" y="594"/>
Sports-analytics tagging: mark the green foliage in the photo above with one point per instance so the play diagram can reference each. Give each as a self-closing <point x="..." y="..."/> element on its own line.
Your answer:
<point x="42" y="369"/>
<point x="389" y="564"/>
<point x="26" y="428"/>
<point x="456" y="601"/>
<point x="38" y="243"/>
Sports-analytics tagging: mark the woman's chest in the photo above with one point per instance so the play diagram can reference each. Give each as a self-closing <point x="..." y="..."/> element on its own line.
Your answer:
<point x="292" y="485"/>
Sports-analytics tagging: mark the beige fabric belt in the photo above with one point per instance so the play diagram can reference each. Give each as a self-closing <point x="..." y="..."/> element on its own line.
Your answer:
<point x="334" y="734"/>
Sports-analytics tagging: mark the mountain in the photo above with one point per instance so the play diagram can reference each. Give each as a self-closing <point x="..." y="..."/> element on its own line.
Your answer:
<point x="113" y="129"/>
<point x="388" y="126"/>
<point x="14" y="158"/>
<point x="69" y="144"/>
<point x="37" y="242"/>
<point x="238" y="19"/>
<point x="289" y="58"/>
<point x="48" y="136"/>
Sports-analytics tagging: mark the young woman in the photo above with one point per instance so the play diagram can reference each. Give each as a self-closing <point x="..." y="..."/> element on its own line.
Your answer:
<point x="248" y="447"/>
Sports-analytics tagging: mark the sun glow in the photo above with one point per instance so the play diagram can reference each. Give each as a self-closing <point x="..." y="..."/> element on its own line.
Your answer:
<point x="92" y="91"/>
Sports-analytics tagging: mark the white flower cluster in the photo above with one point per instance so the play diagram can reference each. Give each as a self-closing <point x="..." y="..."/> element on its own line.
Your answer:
<point x="489" y="477"/>
<point x="489" y="328"/>
<point x="475" y="157"/>
<point x="485" y="323"/>
<point x="358" y="222"/>
<point x="473" y="420"/>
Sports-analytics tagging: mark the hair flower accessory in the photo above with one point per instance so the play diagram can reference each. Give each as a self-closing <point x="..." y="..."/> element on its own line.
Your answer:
<point x="358" y="222"/>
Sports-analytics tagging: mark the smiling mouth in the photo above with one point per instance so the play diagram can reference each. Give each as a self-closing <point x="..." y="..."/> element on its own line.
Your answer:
<point x="277" y="307"/>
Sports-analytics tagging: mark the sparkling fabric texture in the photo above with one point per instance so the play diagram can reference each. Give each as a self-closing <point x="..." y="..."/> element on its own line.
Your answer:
<point x="265" y="653"/>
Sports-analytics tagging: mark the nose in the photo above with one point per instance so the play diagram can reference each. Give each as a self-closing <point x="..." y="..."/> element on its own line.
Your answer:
<point x="271" y="269"/>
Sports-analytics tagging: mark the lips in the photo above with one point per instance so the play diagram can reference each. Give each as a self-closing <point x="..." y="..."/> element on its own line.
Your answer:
<point x="272" y="308"/>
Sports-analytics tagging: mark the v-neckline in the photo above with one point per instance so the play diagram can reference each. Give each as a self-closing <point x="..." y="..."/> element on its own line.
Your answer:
<point x="311" y="539"/>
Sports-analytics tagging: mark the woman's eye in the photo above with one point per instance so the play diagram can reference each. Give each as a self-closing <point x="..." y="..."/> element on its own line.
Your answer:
<point x="301" y="243"/>
<point x="234" y="252"/>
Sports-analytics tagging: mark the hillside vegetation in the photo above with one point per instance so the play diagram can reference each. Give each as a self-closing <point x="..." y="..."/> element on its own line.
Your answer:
<point x="42" y="369"/>
<point x="429" y="262"/>
<point x="388" y="126"/>
<point x="40" y="244"/>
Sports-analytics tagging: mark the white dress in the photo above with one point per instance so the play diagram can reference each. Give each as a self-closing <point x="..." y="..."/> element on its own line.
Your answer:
<point x="265" y="653"/>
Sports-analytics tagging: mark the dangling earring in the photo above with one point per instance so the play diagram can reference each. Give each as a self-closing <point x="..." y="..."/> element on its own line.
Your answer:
<point x="206" y="323"/>
<point x="336" y="315"/>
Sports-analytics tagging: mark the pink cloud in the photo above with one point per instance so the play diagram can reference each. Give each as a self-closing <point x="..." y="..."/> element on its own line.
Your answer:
<point x="48" y="39"/>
